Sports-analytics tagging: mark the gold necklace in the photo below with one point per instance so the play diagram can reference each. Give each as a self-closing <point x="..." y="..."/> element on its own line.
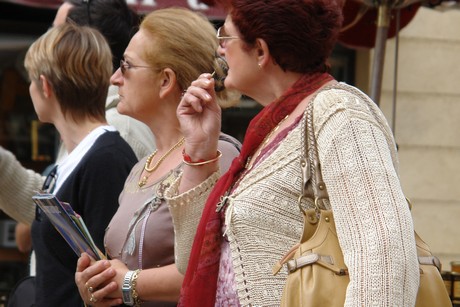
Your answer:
<point x="251" y="159"/>
<point x="144" y="179"/>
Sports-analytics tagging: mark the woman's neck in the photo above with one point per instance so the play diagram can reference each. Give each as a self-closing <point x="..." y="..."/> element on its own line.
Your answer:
<point x="72" y="133"/>
<point x="274" y="84"/>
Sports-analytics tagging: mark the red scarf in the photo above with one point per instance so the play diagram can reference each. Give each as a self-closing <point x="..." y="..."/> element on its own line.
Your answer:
<point x="200" y="282"/>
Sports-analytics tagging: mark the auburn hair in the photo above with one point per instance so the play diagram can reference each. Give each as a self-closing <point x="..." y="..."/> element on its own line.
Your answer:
<point x="299" y="33"/>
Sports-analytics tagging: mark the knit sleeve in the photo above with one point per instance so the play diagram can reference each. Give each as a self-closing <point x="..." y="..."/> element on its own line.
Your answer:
<point x="373" y="221"/>
<point x="17" y="186"/>
<point x="186" y="210"/>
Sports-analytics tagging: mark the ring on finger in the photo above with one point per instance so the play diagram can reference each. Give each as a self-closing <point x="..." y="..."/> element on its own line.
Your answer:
<point x="90" y="289"/>
<point x="93" y="299"/>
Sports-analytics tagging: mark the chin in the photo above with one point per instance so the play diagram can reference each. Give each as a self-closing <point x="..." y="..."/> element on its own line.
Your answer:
<point x="121" y="108"/>
<point x="229" y="84"/>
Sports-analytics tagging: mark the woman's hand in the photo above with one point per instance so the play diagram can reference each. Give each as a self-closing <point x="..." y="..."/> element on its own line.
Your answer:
<point x="200" y="118"/>
<point x="97" y="282"/>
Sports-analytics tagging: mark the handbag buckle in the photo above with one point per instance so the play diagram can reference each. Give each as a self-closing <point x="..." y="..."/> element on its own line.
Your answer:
<point x="294" y="264"/>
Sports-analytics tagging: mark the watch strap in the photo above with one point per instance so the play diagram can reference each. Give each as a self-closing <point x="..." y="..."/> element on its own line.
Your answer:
<point x="126" y="289"/>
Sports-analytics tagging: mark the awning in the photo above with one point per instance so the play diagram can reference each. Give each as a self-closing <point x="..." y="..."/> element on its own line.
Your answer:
<point x="369" y="23"/>
<point x="141" y="6"/>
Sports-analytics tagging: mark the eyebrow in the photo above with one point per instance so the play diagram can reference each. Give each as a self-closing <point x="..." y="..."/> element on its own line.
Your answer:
<point x="126" y="57"/>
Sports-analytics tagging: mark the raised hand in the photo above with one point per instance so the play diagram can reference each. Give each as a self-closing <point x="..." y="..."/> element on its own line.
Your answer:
<point x="200" y="116"/>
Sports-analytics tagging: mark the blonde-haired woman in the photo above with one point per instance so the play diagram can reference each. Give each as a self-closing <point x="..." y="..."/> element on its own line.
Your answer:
<point x="69" y="68"/>
<point x="172" y="48"/>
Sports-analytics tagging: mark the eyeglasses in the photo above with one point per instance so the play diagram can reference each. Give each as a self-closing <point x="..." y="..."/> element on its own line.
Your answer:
<point x="125" y="66"/>
<point x="87" y="2"/>
<point x="224" y="38"/>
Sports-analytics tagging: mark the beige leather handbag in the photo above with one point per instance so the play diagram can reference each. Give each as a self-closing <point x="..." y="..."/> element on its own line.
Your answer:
<point x="317" y="272"/>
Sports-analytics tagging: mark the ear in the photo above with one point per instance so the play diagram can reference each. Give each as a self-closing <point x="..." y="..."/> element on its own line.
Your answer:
<point x="46" y="87"/>
<point x="168" y="81"/>
<point x="262" y="52"/>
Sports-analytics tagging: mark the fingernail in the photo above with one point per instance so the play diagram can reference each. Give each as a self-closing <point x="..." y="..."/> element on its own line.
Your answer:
<point x="207" y="96"/>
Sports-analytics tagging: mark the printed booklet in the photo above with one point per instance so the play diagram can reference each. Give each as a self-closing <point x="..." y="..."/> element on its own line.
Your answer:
<point x="69" y="224"/>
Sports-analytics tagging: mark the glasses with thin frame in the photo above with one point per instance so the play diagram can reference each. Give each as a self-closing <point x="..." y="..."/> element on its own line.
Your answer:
<point x="224" y="38"/>
<point x="124" y="66"/>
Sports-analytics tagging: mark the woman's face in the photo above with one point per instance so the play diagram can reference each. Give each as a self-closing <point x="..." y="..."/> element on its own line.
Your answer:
<point x="242" y="63"/>
<point x="136" y="81"/>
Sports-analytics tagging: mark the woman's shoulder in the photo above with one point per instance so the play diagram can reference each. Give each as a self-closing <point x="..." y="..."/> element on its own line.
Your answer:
<point x="230" y="148"/>
<point x="342" y="97"/>
<point x="110" y="149"/>
<point x="112" y="142"/>
<point x="228" y="140"/>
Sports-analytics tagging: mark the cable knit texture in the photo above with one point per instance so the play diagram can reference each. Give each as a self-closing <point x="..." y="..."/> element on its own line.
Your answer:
<point x="186" y="217"/>
<point x="18" y="185"/>
<point x="374" y="225"/>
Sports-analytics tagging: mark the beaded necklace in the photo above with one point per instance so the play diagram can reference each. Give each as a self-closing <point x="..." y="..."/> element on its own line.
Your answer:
<point x="144" y="179"/>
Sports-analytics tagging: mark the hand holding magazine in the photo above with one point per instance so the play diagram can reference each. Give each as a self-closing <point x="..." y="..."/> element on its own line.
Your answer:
<point x="69" y="224"/>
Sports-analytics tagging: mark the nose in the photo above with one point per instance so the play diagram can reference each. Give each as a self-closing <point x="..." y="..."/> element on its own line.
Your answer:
<point x="117" y="77"/>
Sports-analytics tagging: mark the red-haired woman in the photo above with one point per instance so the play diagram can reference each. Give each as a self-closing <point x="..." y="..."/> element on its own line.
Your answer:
<point x="277" y="54"/>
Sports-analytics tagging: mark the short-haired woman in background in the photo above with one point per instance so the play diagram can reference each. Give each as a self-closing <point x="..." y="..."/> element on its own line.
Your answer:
<point x="69" y="68"/>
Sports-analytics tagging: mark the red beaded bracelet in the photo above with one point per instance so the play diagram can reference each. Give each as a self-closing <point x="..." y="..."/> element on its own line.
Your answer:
<point x="188" y="161"/>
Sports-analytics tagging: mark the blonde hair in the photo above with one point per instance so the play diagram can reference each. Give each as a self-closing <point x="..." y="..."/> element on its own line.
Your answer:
<point x="185" y="42"/>
<point x="77" y="62"/>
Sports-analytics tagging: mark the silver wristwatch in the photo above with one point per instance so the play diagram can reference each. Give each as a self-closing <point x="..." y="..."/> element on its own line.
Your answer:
<point x="126" y="289"/>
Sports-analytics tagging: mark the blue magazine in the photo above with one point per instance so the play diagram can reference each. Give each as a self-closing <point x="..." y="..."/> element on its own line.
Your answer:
<point x="69" y="224"/>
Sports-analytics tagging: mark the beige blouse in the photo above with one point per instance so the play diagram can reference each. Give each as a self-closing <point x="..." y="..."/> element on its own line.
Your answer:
<point x="141" y="233"/>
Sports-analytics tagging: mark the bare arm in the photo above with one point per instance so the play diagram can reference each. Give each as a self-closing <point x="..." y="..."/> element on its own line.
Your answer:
<point x="23" y="237"/>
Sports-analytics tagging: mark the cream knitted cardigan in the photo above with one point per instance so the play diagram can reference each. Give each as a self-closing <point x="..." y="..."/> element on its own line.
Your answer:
<point x="374" y="225"/>
<point x="17" y="186"/>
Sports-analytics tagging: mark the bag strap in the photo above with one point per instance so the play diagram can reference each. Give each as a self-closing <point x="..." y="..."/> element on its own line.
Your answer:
<point x="309" y="162"/>
<point x="311" y="169"/>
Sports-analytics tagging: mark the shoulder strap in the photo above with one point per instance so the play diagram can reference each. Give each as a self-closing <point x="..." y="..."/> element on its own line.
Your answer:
<point x="309" y="163"/>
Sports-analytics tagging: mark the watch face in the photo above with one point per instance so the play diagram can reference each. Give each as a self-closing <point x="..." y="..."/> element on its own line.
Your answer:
<point x="126" y="289"/>
<point x="127" y="299"/>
